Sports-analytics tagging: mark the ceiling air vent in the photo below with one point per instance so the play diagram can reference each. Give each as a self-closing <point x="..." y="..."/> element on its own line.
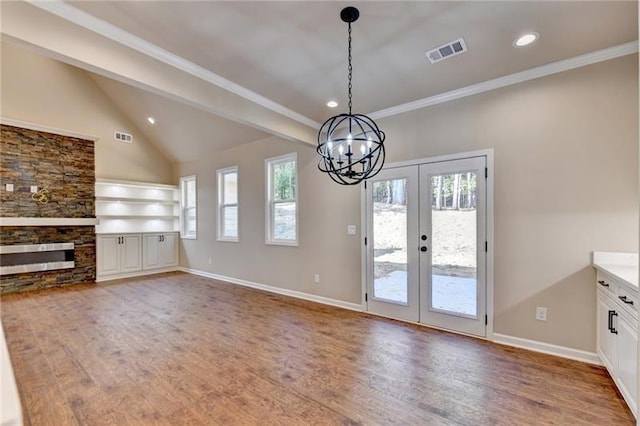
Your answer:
<point x="123" y="137"/>
<point x="447" y="50"/>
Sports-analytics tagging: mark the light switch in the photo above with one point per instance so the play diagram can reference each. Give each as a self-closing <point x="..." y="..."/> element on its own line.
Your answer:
<point x="351" y="229"/>
<point x="34" y="189"/>
<point x="9" y="187"/>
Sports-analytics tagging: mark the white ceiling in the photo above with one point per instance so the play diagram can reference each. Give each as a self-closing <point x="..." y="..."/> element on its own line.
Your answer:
<point x="294" y="53"/>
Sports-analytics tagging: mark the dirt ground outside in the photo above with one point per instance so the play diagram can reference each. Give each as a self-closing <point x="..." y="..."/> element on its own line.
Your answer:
<point x="453" y="242"/>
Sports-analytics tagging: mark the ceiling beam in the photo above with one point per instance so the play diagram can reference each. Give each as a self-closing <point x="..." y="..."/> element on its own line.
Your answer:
<point x="25" y="24"/>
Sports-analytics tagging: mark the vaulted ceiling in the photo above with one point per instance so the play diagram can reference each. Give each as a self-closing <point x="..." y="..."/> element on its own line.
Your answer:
<point x="239" y="71"/>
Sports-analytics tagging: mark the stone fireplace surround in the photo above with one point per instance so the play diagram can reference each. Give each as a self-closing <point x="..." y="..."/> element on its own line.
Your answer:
<point x="64" y="164"/>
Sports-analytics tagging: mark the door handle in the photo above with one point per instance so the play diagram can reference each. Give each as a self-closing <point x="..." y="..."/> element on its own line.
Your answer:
<point x="613" y="328"/>
<point x="624" y="299"/>
<point x="603" y="284"/>
<point x="423" y="248"/>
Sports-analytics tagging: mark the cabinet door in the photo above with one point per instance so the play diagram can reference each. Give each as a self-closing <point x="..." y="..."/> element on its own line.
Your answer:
<point x="108" y="254"/>
<point x="627" y="359"/>
<point x="152" y="251"/>
<point x="131" y="253"/>
<point x="606" y="339"/>
<point x="169" y="250"/>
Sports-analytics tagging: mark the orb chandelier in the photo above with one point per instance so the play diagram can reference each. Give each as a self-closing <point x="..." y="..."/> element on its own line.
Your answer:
<point x="351" y="146"/>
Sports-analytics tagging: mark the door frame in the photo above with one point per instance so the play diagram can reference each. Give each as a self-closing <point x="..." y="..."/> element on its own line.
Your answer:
<point x="488" y="154"/>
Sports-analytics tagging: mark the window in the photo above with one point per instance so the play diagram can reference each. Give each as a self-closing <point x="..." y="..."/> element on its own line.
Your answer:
<point x="282" y="200"/>
<point x="228" y="204"/>
<point x="188" y="205"/>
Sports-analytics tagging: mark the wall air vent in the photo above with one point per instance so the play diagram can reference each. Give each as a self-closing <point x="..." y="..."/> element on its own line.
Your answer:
<point x="447" y="50"/>
<point x="123" y="137"/>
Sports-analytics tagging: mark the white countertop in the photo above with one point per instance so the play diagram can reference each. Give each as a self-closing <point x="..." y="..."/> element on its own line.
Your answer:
<point x="621" y="265"/>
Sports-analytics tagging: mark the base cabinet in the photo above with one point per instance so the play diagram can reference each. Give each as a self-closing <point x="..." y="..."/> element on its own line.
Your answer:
<point x="160" y="250"/>
<point x="617" y="335"/>
<point x="119" y="254"/>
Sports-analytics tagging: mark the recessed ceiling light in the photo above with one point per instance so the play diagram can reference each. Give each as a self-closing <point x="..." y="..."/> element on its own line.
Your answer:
<point x="525" y="39"/>
<point x="151" y="120"/>
<point x="332" y="104"/>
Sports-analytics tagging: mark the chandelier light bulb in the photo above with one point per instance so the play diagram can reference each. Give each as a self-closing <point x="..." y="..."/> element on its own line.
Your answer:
<point x="341" y="149"/>
<point x="362" y="149"/>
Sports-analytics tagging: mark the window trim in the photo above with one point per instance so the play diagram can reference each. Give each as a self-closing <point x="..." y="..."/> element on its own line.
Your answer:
<point x="269" y="203"/>
<point x="183" y="209"/>
<point x="220" y="173"/>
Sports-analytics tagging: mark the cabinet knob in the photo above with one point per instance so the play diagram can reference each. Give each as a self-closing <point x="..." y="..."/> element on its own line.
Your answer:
<point x="423" y="248"/>
<point x="602" y="283"/>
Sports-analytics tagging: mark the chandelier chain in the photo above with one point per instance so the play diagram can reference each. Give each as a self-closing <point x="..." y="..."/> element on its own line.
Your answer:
<point x="350" y="68"/>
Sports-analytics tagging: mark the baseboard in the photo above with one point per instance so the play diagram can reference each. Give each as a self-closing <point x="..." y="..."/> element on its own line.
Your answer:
<point x="277" y="290"/>
<point x="100" y="279"/>
<point x="548" y="348"/>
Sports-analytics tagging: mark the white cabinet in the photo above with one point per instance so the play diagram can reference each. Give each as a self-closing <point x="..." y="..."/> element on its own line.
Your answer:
<point x="160" y="250"/>
<point x="607" y="348"/>
<point x="617" y="333"/>
<point x="119" y="254"/>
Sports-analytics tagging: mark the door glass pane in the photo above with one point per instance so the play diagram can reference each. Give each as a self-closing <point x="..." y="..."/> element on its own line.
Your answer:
<point x="390" y="240"/>
<point x="453" y="245"/>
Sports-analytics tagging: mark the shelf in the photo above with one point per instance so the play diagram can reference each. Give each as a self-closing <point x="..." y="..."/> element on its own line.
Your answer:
<point x="137" y="200"/>
<point x="138" y="217"/>
<point x="133" y="207"/>
<point x="134" y="200"/>
<point x="47" y="221"/>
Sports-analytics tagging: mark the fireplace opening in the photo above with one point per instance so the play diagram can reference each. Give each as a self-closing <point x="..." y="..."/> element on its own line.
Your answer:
<point x="17" y="259"/>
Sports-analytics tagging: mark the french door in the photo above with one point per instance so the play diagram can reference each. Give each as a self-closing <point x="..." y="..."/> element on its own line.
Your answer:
<point x="426" y="244"/>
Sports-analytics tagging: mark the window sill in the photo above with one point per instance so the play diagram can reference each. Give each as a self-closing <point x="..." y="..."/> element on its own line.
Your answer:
<point x="188" y="237"/>
<point x="228" y="240"/>
<point x="282" y="243"/>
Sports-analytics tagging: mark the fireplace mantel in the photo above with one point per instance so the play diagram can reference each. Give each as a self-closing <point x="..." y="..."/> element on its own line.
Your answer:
<point x="48" y="221"/>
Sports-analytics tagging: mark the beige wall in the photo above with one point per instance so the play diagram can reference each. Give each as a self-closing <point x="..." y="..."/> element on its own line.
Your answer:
<point x="325" y="210"/>
<point x="43" y="91"/>
<point x="565" y="185"/>
<point x="566" y="167"/>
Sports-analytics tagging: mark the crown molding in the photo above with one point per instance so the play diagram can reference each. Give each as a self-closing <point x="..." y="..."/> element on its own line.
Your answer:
<point x="511" y="79"/>
<point x="66" y="11"/>
<point x="46" y="129"/>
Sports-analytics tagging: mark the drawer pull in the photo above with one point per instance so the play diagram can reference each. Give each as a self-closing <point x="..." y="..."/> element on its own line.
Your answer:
<point x="624" y="299"/>
<point x="612" y="328"/>
<point x="602" y="283"/>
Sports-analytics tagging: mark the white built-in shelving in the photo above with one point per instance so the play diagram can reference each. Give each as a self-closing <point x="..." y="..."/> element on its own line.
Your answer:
<point x="130" y="207"/>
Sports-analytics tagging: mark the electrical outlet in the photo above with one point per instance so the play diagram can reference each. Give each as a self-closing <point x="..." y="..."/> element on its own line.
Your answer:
<point x="541" y="314"/>
<point x="351" y="230"/>
<point x="9" y="187"/>
<point x="209" y="261"/>
<point x="34" y="189"/>
<point x="316" y="278"/>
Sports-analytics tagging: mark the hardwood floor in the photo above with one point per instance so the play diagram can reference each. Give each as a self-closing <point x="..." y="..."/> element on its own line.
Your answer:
<point x="181" y="349"/>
